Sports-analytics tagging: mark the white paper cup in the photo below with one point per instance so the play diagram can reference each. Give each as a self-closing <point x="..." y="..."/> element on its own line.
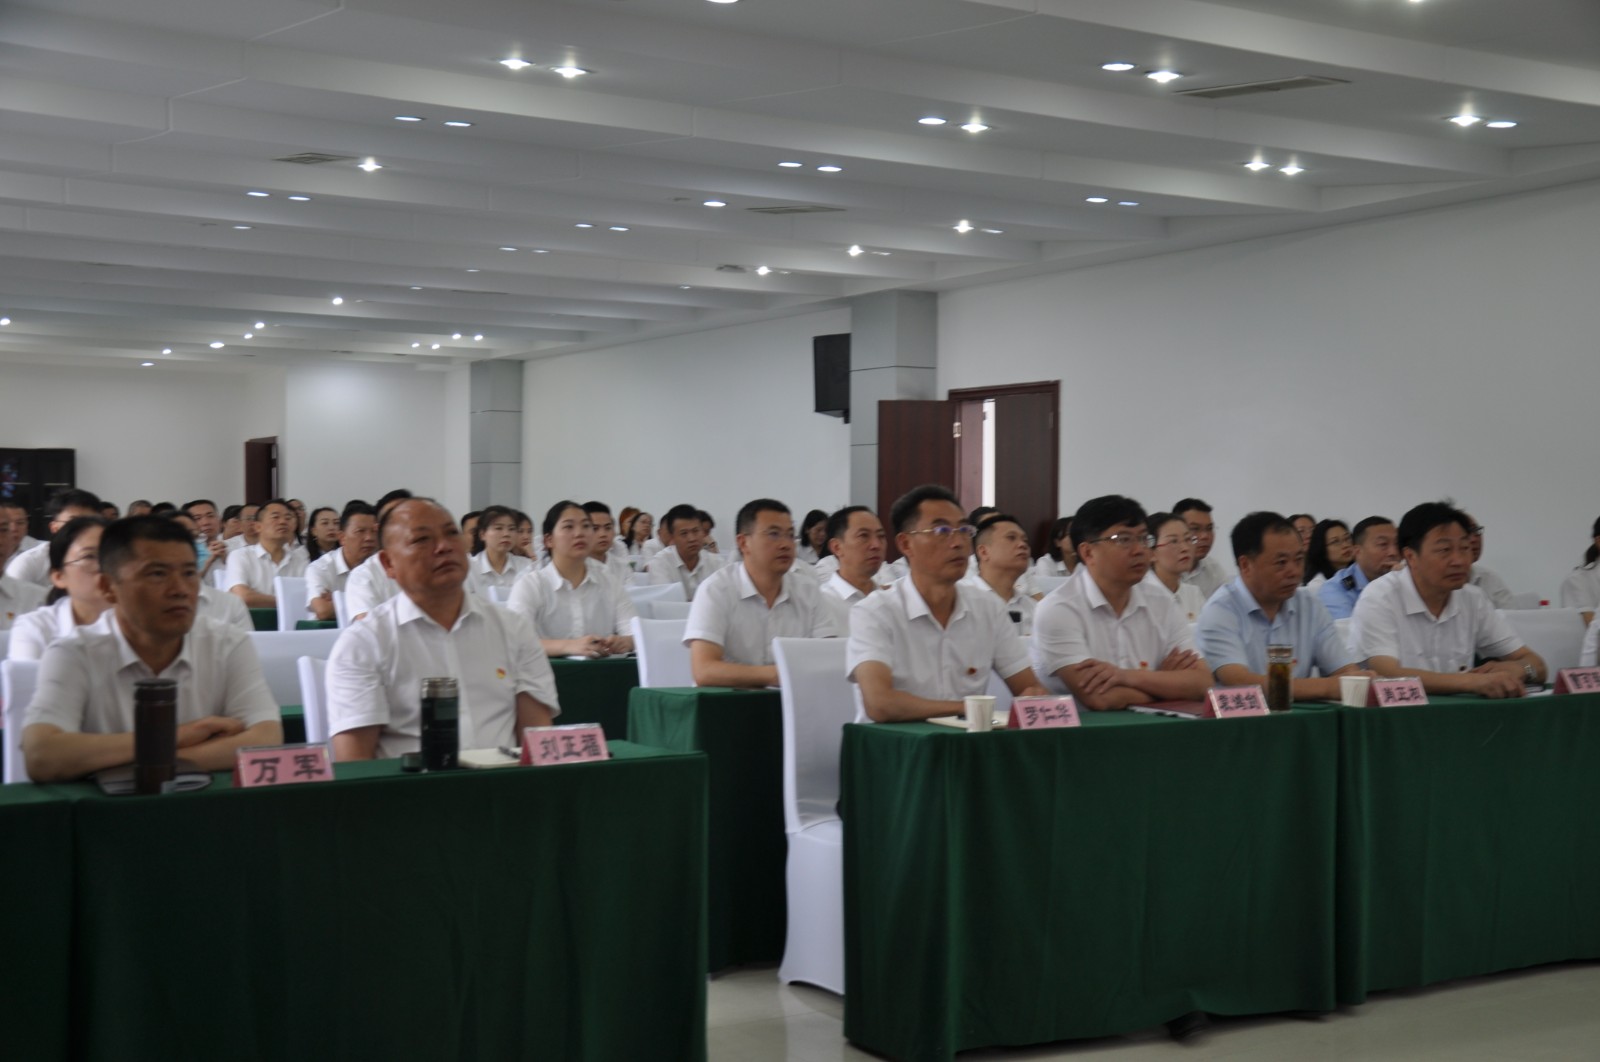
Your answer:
<point x="1353" y="690"/>
<point x="980" y="714"/>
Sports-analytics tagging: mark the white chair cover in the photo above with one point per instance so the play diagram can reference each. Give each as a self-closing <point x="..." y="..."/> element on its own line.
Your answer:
<point x="290" y="591"/>
<point x="18" y="678"/>
<point x="279" y="651"/>
<point x="1556" y="634"/>
<point x="663" y="658"/>
<point x="313" y="690"/>
<point x="665" y="610"/>
<point x="341" y="610"/>
<point x="663" y="592"/>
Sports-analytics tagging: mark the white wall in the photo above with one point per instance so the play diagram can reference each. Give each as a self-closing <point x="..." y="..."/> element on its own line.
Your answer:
<point x="714" y="419"/>
<point x="165" y="433"/>
<point x="1345" y="371"/>
<point x="357" y="431"/>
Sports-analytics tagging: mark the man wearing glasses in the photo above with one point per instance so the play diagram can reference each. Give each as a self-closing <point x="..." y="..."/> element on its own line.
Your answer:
<point x="1377" y="553"/>
<point x="1426" y="621"/>
<point x="1485" y="578"/>
<point x="1107" y="637"/>
<point x="743" y="606"/>
<point x="1208" y="572"/>
<point x="921" y="646"/>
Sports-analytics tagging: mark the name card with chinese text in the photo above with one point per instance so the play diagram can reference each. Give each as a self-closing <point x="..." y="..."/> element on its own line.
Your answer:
<point x="1233" y="702"/>
<point x="1039" y="713"/>
<point x="281" y="765"/>
<point x="1578" y="680"/>
<point x="1396" y="692"/>
<point x="543" y="746"/>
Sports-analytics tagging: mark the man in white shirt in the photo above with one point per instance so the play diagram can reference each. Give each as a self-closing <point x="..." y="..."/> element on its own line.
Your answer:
<point x="358" y="540"/>
<point x="433" y="629"/>
<point x="1208" y="572"/>
<point x="208" y="541"/>
<point x="683" y="560"/>
<point x="369" y="584"/>
<point x="214" y="604"/>
<point x="746" y="604"/>
<point x="251" y="571"/>
<point x="1004" y="557"/>
<point x="81" y="717"/>
<point x="1106" y="636"/>
<point x="33" y="565"/>
<point x="17" y="598"/>
<point x="1484" y="577"/>
<point x="921" y="646"/>
<point x="14" y="536"/>
<point x="249" y="529"/>
<point x="856" y="545"/>
<point x="605" y="534"/>
<point x="1425" y="620"/>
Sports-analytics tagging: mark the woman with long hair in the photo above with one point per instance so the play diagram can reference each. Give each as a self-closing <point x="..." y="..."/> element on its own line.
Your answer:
<point x="1059" y="559"/>
<point x="494" y="560"/>
<point x="1331" y="548"/>
<point x="1581" y="589"/>
<point x="75" y="599"/>
<point x="322" y="531"/>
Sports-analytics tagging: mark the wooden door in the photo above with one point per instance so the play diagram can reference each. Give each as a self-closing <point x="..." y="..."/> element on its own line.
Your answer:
<point x="1025" y="460"/>
<point x="916" y="445"/>
<point x="260" y="470"/>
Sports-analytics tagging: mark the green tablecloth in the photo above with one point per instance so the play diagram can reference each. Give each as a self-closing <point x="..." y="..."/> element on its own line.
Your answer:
<point x="35" y="922"/>
<point x="1469" y="839"/>
<point x="741" y="733"/>
<point x="1017" y="888"/>
<point x="596" y="691"/>
<point x="511" y="914"/>
<point x="314" y="625"/>
<point x="265" y="619"/>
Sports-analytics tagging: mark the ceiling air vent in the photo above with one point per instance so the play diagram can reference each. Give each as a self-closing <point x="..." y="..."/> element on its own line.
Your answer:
<point x="795" y="210"/>
<point x="1256" y="88"/>
<point x="314" y="158"/>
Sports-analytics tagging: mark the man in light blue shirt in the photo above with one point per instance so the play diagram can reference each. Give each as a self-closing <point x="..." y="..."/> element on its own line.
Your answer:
<point x="1266" y="605"/>
<point x="1377" y="553"/>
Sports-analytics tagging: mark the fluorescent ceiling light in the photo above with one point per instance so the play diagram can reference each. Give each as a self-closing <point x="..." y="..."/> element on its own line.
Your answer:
<point x="854" y="250"/>
<point x="259" y="195"/>
<point x="791" y="165"/>
<point x="243" y="228"/>
<point x="1291" y="169"/>
<point x="337" y="300"/>
<point x="371" y="165"/>
<point x="477" y="338"/>
<point x="146" y="364"/>
<point x="540" y="250"/>
<point x="216" y="346"/>
<point x="508" y="248"/>
<point x="1127" y="202"/>
<point x="930" y="120"/>
<point x="457" y="123"/>
<point x="433" y="346"/>
<point x="166" y="350"/>
<point x="831" y="169"/>
<point x="1163" y="76"/>
<point x="474" y="270"/>
<point x="714" y="203"/>
<point x="4" y="321"/>
<point x="618" y="228"/>
<point x="685" y="287"/>
<point x="416" y="287"/>
<point x="415" y="346"/>
<point x="408" y="118"/>
<point x="1097" y="199"/>
<point x="583" y="225"/>
<point x="260" y="325"/>
<point x="1256" y="165"/>
<point x="975" y="127"/>
<point x="455" y="335"/>
<point x="1464" y="120"/>
<point x="963" y="225"/>
<point x="515" y="64"/>
<point x="249" y="335"/>
<point x="1116" y="68"/>
<point x="1500" y="124"/>
<point x="723" y="1"/>
<point x="570" y="72"/>
<point x="992" y="232"/>
<point x="762" y="271"/>
<point x="300" y="198"/>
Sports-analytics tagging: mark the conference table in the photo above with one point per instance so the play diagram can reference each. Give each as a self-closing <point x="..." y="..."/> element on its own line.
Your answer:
<point x="1016" y="888"/>
<point x="741" y="734"/>
<point x="519" y="913"/>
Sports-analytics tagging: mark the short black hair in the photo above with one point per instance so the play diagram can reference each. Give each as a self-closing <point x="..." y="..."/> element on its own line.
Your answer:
<point x="1186" y="504"/>
<point x="679" y="512"/>
<point x="592" y="507"/>
<point x="745" y="522"/>
<point x="62" y="540"/>
<point x="198" y="501"/>
<point x="906" y="508"/>
<point x="1361" y="529"/>
<point x="13" y="503"/>
<point x="993" y="520"/>
<point x="383" y="519"/>
<point x="839" y="522"/>
<point x="1154" y="521"/>
<point x="230" y="513"/>
<point x="1062" y="525"/>
<point x="552" y="516"/>
<point x="162" y="508"/>
<point x="70" y="498"/>
<point x="1415" y="525"/>
<point x="468" y="516"/>
<point x="977" y="516"/>
<point x="117" y="544"/>
<point x="705" y="517"/>
<point x="1098" y="515"/>
<point x="273" y="501"/>
<point x="1250" y="534"/>
<point x="398" y="494"/>
<point x="354" y="509"/>
<point x="1292" y="517"/>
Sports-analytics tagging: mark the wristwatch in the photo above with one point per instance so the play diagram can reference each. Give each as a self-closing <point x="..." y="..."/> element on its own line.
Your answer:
<point x="1533" y="676"/>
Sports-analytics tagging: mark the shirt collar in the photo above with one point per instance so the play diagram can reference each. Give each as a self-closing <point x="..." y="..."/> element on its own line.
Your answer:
<point x="127" y="658"/>
<point x="558" y="582"/>
<point x="916" y="606"/>
<point x="747" y="586"/>
<point x="840" y="586"/>
<point x="1413" y="597"/>
<point x="1096" y="599"/>
<point x="407" y="610"/>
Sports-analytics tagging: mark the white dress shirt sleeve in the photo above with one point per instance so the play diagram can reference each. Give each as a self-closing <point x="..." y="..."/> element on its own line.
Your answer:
<point x="62" y="695"/>
<point x="710" y="613"/>
<point x="622" y="607"/>
<point x="31" y="634"/>
<point x="527" y="600"/>
<point x="1375" y="626"/>
<point x="1581" y="590"/>
<point x="238" y="571"/>
<point x="1059" y="639"/>
<point x="534" y="674"/>
<point x="357" y="695"/>
<point x="245" y="695"/>
<point x="871" y="635"/>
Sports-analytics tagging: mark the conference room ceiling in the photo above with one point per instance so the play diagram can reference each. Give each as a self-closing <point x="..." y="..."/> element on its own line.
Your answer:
<point x="129" y="145"/>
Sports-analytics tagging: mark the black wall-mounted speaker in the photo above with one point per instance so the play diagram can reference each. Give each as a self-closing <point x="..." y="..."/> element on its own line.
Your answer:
<point x="830" y="358"/>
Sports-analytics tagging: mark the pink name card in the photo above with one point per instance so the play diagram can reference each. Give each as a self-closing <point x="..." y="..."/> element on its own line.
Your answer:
<point x="1578" y="680"/>
<point x="1233" y="702"/>
<point x="281" y="765"/>
<point x="1039" y="713"/>
<point x="543" y="746"/>
<point x="1390" y="693"/>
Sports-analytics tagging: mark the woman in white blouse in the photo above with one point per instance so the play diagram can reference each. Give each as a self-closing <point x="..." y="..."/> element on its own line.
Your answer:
<point x="575" y="607"/>
<point x="1172" y="556"/>
<point x="493" y="561"/>
<point x="813" y="538"/>
<point x="75" y="600"/>
<point x="1581" y="589"/>
<point x="1059" y="559"/>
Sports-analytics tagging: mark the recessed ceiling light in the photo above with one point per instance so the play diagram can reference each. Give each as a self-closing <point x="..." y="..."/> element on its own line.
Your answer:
<point x="433" y="346"/>
<point x="1257" y="165"/>
<point x="508" y="248"/>
<point x="300" y="198"/>
<point x="854" y="250"/>
<point x="884" y="254"/>
<point x="1464" y="120"/>
<point x="992" y="232"/>
<point x="478" y="337"/>
<point x="1163" y="76"/>
<point x="762" y="271"/>
<point x="415" y="287"/>
<point x="975" y="127"/>
<point x="515" y="64"/>
<point x="371" y="165"/>
<point x="456" y="123"/>
<point x="1128" y="202"/>
<point x="723" y="1"/>
<point x="830" y="169"/>
<point x="714" y="203"/>
<point x="685" y="287"/>
<point x="243" y="228"/>
<point x="166" y="350"/>
<point x="408" y="118"/>
<point x="963" y="225"/>
<point x="791" y="165"/>
<point x="1116" y="68"/>
<point x="570" y="72"/>
<point x="583" y="225"/>
<point x="1291" y="169"/>
<point x="474" y="270"/>
<point x="260" y="325"/>
<point x="259" y="195"/>
<point x="216" y="346"/>
<point x="1500" y="124"/>
<point x="337" y="300"/>
<point x="4" y="321"/>
<point x="415" y="346"/>
<point x="540" y="250"/>
<point x="146" y="364"/>
<point x="1097" y="199"/>
<point x="618" y="228"/>
<point x="931" y="120"/>
<point x="455" y="335"/>
<point x="249" y="335"/>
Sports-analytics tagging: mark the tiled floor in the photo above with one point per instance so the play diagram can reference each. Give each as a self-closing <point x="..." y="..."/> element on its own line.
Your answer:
<point x="1549" y="1014"/>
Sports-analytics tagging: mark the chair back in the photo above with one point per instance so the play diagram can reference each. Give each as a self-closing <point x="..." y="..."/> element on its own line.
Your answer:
<point x="5" y="643"/>
<point x="1527" y="599"/>
<point x="18" y="679"/>
<point x="313" y="697"/>
<point x="817" y="703"/>
<point x="1556" y="634"/>
<point x="663" y="658"/>
<point x="665" y="610"/>
<point x="341" y="610"/>
<point x="290" y="591"/>
<point x="663" y="592"/>
<point x="638" y="578"/>
<point x="1043" y="584"/>
<point x="279" y="651"/>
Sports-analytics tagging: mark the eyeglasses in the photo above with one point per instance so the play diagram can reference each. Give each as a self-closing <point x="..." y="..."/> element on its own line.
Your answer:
<point x="1175" y="540"/>
<point x="90" y="562"/>
<point x="1125" y="539"/>
<point x="943" y="532"/>
<point x="1340" y="541"/>
<point x="778" y="534"/>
